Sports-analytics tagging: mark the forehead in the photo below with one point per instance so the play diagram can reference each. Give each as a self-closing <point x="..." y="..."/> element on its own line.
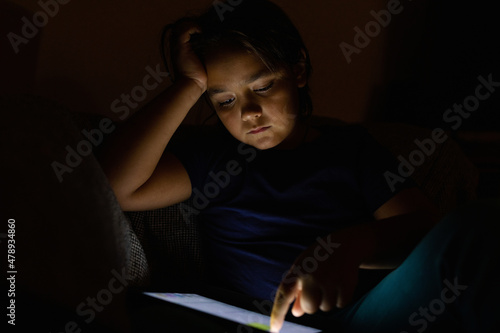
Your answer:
<point x="233" y="67"/>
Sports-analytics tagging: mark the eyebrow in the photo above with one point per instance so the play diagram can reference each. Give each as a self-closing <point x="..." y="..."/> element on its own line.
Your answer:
<point x="253" y="78"/>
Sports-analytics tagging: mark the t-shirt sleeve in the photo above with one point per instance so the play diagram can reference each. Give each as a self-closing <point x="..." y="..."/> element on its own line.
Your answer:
<point x="193" y="153"/>
<point x="201" y="152"/>
<point x="378" y="173"/>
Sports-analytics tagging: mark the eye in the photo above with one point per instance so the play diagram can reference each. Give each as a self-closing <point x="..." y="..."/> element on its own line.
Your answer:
<point x="266" y="88"/>
<point x="226" y="103"/>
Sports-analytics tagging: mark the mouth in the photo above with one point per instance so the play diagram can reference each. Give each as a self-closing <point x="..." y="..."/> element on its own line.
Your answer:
<point x="259" y="130"/>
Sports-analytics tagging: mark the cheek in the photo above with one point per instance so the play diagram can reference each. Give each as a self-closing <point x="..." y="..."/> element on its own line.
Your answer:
<point x="286" y="104"/>
<point x="230" y="120"/>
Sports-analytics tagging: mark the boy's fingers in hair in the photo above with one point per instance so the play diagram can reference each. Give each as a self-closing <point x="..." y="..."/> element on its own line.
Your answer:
<point x="187" y="29"/>
<point x="182" y="31"/>
<point x="186" y="62"/>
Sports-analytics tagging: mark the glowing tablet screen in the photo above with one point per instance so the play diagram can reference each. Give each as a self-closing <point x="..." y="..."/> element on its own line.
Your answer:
<point x="230" y="312"/>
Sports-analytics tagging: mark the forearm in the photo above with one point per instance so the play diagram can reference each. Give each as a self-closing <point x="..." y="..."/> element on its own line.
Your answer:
<point x="385" y="243"/>
<point x="395" y="237"/>
<point x="133" y="152"/>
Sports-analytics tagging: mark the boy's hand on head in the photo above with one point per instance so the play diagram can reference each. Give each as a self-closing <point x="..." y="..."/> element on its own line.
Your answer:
<point x="186" y="62"/>
<point x="323" y="277"/>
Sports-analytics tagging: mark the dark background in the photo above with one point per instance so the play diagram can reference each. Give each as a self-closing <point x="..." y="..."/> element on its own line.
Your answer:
<point x="427" y="58"/>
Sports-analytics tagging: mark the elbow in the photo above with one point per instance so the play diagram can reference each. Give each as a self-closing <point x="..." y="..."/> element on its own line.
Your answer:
<point x="126" y="202"/>
<point x="123" y="195"/>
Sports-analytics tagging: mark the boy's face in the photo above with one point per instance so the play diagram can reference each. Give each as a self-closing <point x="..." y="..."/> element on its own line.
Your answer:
<point x="256" y="106"/>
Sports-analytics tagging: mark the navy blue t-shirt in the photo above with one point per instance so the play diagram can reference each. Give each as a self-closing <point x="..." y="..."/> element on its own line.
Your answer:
<point x="260" y="209"/>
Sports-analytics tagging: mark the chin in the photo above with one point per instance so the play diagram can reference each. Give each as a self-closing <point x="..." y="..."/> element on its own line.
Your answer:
<point x="264" y="147"/>
<point x="264" y="143"/>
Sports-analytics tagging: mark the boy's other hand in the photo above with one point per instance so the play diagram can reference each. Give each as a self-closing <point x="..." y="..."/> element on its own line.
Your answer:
<point x="186" y="62"/>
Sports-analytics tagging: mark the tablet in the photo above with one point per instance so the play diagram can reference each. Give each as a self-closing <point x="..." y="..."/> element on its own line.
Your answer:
<point x="248" y="319"/>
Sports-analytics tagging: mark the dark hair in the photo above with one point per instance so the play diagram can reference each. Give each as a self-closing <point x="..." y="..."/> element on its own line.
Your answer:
<point x="258" y="26"/>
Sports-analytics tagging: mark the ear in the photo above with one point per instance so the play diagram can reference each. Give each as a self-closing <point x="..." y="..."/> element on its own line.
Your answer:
<point x="299" y="69"/>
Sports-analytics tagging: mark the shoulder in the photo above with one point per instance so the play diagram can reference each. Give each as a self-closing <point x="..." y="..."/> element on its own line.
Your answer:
<point x="339" y="135"/>
<point x="201" y="139"/>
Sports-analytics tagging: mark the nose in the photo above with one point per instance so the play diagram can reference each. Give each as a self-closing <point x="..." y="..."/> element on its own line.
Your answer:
<point x="250" y="110"/>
